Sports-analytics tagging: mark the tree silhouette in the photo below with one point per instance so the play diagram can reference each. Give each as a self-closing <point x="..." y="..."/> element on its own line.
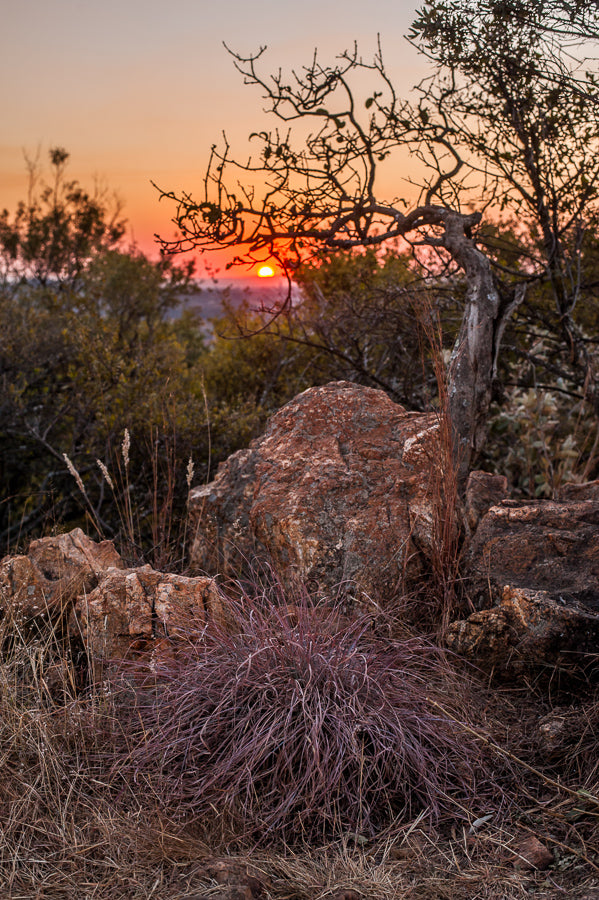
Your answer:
<point x="318" y="184"/>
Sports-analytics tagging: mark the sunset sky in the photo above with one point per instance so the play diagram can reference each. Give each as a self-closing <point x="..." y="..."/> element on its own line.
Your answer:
<point x="138" y="90"/>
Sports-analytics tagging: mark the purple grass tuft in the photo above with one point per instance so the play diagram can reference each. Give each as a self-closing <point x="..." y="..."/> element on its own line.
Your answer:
<point x="299" y="727"/>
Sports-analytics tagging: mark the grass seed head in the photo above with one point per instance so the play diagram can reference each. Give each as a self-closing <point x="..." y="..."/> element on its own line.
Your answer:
<point x="106" y="474"/>
<point x="125" y="447"/>
<point x="74" y="473"/>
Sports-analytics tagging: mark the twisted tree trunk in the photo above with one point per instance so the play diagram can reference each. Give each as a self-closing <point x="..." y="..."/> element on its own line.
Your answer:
<point x="473" y="365"/>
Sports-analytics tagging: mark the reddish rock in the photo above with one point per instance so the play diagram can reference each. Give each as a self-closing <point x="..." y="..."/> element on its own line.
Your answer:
<point x="44" y="584"/>
<point x="347" y="895"/>
<point x="338" y="491"/>
<point x="221" y="539"/>
<point x="24" y="592"/>
<point x="547" y="552"/>
<point x="483" y="491"/>
<point x="586" y="490"/>
<point x="73" y="555"/>
<point x="532" y="854"/>
<point x="138" y="608"/>
<point x="528" y="630"/>
<point x="553" y="731"/>
<point x="235" y="876"/>
<point x="542" y="545"/>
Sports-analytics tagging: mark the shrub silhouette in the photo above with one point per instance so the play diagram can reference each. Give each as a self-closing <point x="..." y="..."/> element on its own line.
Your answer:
<point x="298" y="726"/>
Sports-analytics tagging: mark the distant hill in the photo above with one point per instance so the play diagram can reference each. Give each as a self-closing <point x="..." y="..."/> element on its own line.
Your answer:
<point x="258" y="292"/>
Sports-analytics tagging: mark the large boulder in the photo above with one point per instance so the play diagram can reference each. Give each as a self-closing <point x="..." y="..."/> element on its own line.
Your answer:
<point x="43" y="585"/>
<point x="138" y="609"/>
<point x="339" y="491"/>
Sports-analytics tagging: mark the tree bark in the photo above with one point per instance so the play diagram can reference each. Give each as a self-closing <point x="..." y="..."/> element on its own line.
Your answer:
<point x="472" y="368"/>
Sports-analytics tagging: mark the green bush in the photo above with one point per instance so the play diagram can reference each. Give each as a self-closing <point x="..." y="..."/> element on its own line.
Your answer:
<point x="81" y="365"/>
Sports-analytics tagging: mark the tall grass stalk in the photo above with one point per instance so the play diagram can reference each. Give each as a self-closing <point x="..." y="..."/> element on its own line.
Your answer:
<point x="167" y="550"/>
<point x="445" y="493"/>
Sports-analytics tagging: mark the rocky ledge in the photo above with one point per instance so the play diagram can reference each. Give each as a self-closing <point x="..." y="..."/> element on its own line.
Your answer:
<point x="343" y="493"/>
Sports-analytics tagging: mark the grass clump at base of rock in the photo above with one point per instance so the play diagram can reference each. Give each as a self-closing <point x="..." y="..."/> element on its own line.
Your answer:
<point x="296" y="725"/>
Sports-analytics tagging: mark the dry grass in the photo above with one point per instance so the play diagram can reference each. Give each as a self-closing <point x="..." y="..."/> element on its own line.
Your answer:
<point x="74" y="827"/>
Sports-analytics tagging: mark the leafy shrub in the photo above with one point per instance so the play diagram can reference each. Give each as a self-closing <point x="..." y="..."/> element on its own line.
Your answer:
<point x="544" y="433"/>
<point x="296" y="725"/>
<point x="88" y="348"/>
<point x="51" y="237"/>
<point x="77" y="368"/>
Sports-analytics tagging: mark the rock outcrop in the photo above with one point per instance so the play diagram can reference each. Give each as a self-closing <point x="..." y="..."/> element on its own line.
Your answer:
<point x="73" y="557"/>
<point x="483" y="491"/>
<point x="339" y="491"/>
<point x="137" y="610"/>
<point x="541" y="545"/>
<point x="84" y="587"/>
<point x="532" y="570"/>
<point x="344" y="493"/>
<point x="528" y="631"/>
<point x="43" y="585"/>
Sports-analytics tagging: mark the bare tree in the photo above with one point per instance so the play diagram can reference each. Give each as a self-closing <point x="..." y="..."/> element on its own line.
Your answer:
<point x="323" y="192"/>
<point x="509" y="120"/>
<point x="517" y="92"/>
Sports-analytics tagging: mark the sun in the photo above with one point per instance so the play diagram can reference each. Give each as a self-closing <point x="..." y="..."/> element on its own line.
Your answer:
<point x="266" y="272"/>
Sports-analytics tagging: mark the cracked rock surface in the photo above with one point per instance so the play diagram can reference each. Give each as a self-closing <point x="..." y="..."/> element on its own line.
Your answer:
<point x="139" y="609"/>
<point x="337" y="492"/>
<point x="44" y="584"/>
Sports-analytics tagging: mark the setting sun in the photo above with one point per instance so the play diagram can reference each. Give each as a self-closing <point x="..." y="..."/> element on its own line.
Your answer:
<point x="266" y="272"/>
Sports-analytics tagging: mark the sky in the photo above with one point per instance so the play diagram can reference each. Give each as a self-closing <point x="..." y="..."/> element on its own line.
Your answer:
<point x="138" y="90"/>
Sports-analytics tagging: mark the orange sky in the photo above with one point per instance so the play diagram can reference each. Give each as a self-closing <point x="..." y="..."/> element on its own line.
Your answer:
<point x="138" y="90"/>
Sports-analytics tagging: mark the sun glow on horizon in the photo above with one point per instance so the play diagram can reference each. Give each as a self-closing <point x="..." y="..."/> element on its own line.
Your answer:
<point x="266" y="272"/>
